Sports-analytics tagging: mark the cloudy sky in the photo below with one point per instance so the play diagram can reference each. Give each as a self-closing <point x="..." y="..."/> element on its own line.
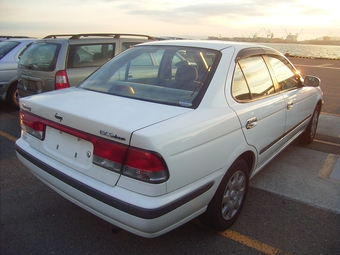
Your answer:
<point x="189" y="18"/>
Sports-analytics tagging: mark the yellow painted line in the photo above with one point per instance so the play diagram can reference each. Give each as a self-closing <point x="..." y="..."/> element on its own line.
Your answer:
<point x="12" y="138"/>
<point x="327" y="167"/>
<point x="252" y="243"/>
<point x="245" y="240"/>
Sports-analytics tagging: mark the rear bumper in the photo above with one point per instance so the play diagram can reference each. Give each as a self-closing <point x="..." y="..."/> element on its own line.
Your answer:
<point x="3" y="90"/>
<point x="24" y="93"/>
<point x="117" y="205"/>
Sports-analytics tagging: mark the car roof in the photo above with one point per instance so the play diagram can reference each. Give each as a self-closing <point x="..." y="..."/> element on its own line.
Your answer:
<point x="18" y="39"/>
<point x="98" y="36"/>
<point x="209" y="44"/>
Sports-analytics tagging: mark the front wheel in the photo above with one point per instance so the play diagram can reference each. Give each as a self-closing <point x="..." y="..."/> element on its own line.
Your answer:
<point x="308" y="135"/>
<point x="229" y="198"/>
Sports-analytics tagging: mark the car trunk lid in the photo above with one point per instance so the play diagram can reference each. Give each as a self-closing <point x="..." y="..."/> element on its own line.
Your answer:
<point x="93" y="112"/>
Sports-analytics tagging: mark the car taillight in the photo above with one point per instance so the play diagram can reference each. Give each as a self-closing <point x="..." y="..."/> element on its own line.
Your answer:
<point x="145" y="165"/>
<point x="61" y="80"/>
<point x="133" y="162"/>
<point x="32" y="124"/>
<point x="108" y="154"/>
<point x="139" y="164"/>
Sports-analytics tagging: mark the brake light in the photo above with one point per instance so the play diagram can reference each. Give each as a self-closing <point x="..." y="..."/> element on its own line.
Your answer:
<point x="145" y="165"/>
<point x="139" y="164"/>
<point x="108" y="154"/>
<point x="32" y="124"/>
<point x="61" y="80"/>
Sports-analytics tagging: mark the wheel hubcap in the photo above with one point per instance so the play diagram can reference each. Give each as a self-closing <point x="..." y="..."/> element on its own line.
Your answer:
<point x="233" y="195"/>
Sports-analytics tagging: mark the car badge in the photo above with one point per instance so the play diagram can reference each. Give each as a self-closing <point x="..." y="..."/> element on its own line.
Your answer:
<point x="112" y="135"/>
<point x="58" y="117"/>
<point x="26" y="107"/>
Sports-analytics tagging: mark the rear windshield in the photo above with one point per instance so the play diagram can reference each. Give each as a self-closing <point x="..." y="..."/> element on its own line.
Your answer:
<point x="6" y="47"/>
<point x="162" y="74"/>
<point x="41" y="56"/>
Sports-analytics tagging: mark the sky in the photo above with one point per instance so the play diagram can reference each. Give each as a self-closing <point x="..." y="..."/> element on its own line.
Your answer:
<point x="310" y="19"/>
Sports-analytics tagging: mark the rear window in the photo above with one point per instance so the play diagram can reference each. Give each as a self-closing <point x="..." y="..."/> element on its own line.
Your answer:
<point x="41" y="56"/>
<point x="6" y="47"/>
<point x="169" y="75"/>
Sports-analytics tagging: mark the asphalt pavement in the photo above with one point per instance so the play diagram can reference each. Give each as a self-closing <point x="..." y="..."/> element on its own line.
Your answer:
<point x="307" y="175"/>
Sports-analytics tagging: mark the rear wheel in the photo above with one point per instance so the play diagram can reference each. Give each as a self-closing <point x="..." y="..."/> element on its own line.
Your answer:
<point x="308" y="135"/>
<point x="229" y="198"/>
<point x="12" y="96"/>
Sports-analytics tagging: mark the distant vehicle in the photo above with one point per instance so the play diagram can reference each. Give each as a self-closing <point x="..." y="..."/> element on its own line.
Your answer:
<point x="11" y="48"/>
<point x="62" y="61"/>
<point x="168" y="131"/>
<point x="5" y="37"/>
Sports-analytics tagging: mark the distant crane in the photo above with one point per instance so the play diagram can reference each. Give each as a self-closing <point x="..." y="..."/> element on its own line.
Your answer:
<point x="291" y="37"/>
<point x="269" y="33"/>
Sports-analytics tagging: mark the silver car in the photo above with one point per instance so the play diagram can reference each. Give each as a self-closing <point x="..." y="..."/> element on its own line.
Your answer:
<point x="10" y="52"/>
<point x="62" y="61"/>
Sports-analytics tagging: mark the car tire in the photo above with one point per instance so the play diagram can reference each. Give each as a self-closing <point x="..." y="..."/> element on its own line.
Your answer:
<point x="227" y="203"/>
<point x="12" y="96"/>
<point x="308" y="135"/>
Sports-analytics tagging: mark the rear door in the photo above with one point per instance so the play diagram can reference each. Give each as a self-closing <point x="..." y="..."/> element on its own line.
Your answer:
<point x="261" y="110"/>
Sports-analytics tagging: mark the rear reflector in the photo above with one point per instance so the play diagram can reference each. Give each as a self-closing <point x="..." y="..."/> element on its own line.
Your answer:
<point x="31" y="124"/>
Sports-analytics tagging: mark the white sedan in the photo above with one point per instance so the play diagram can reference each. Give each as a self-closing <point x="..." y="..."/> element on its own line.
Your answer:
<point x="168" y="131"/>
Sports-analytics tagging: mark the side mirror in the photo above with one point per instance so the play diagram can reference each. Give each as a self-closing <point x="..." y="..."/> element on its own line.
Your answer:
<point x="312" y="81"/>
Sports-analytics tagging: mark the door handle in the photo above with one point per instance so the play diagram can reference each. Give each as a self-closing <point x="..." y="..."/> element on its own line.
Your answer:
<point x="290" y="105"/>
<point x="251" y="123"/>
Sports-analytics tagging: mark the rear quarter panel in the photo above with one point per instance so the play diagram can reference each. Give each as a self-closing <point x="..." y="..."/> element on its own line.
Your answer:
<point x="195" y="144"/>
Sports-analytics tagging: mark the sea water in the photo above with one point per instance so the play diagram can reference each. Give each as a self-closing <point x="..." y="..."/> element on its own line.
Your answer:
<point x="307" y="50"/>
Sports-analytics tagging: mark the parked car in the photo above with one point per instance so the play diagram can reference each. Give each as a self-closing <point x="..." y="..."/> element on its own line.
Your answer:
<point x="5" y="37"/>
<point x="62" y="61"/>
<point x="10" y="51"/>
<point x="168" y="131"/>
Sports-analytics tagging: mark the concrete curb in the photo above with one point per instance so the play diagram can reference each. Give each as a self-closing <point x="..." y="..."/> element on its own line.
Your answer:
<point x="306" y="175"/>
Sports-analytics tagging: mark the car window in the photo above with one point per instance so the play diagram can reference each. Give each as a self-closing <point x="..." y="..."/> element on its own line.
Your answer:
<point x="257" y="76"/>
<point x="6" y="47"/>
<point x="89" y="55"/>
<point x="128" y="45"/>
<point x="146" y="73"/>
<point x="23" y="51"/>
<point x="41" y="56"/>
<point x="240" y="90"/>
<point x="284" y="74"/>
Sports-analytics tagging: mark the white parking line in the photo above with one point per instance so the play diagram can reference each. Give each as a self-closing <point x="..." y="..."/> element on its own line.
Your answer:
<point x="320" y="66"/>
